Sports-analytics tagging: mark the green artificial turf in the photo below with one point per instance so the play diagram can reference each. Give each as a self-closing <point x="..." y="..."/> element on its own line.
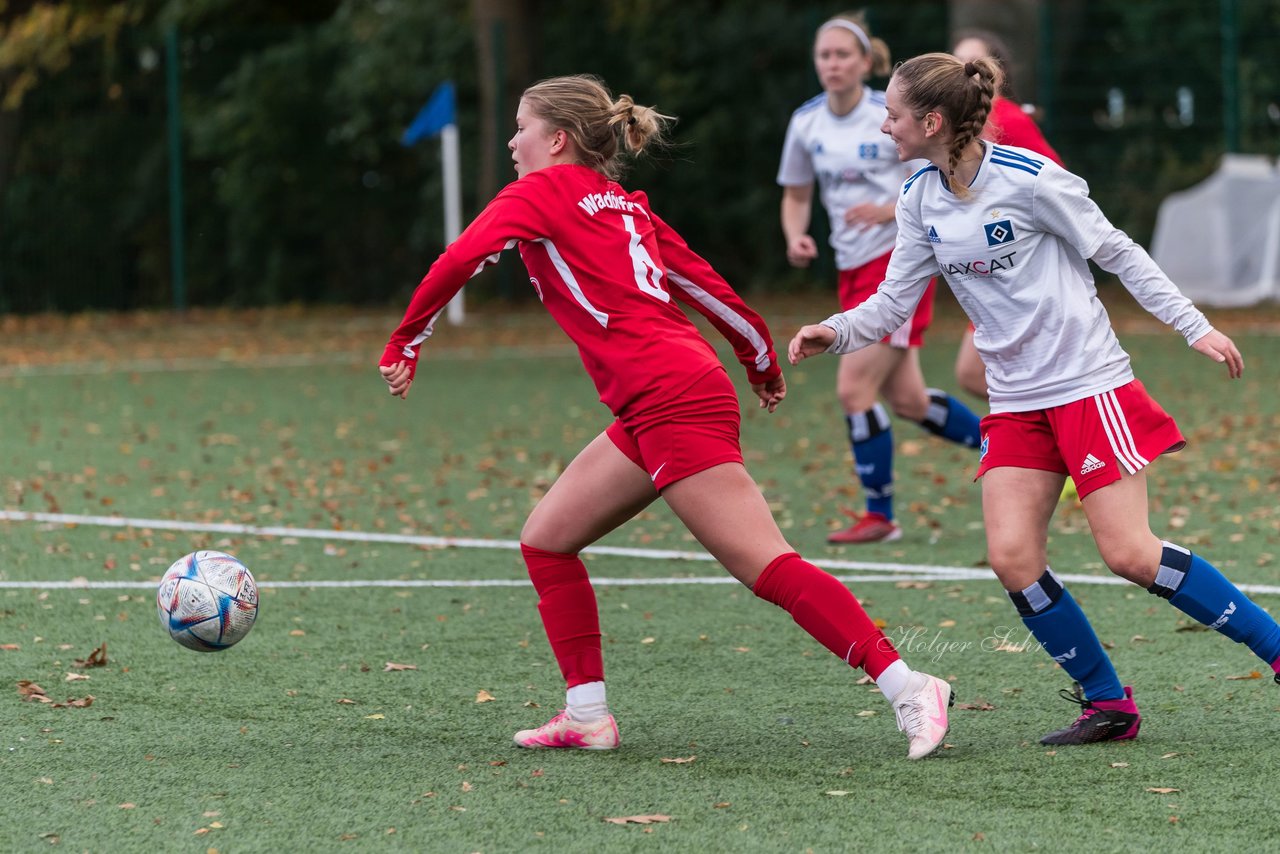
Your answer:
<point x="299" y="738"/>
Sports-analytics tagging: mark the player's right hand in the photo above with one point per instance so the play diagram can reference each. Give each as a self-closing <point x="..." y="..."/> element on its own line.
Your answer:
<point x="801" y="250"/>
<point x="810" y="341"/>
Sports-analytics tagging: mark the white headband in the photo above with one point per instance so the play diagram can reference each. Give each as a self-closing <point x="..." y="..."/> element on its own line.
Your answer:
<point x="851" y="27"/>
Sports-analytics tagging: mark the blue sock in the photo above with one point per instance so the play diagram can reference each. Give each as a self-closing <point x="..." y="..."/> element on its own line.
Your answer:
<point x="951" y="419"/>
<point x="1055" y="619"/>
<point x="1195" y="587"/>
<point x="872" y="441"/>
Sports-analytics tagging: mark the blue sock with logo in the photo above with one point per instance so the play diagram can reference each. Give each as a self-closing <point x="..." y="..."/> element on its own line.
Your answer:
<point x="1053" y="617"/>
<point x="1196" y="588"/>
<point x="950" y="419"/>
<point x="871" y="437"/>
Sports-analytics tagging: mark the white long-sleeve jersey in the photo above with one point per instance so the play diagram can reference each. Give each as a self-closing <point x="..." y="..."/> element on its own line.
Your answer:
<point x="853" y="163"/>
<point x="1014" y="255"/>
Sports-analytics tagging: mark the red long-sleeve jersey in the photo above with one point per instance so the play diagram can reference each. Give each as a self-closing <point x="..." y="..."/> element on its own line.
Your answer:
<point x="606" y="268"/>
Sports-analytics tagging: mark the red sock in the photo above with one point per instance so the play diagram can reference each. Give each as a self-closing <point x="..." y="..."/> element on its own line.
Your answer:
<point x="825" y="608"/>
<point x="567" y="603"/>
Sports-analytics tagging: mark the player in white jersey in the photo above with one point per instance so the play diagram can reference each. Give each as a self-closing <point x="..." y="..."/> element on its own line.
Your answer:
<point x="834" y="139"/>
<point x="1011" y="232"/>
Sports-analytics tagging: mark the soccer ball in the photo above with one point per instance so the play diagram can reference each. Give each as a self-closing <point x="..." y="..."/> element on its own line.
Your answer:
<point x="207" y="601"/>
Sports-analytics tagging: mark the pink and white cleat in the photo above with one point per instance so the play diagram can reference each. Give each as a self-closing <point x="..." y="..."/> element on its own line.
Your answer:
<point x="564" y="731"/>
<point x="921" y="710"/>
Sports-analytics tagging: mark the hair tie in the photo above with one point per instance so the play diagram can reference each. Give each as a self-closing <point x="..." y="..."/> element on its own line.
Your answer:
<point x="843" y="24"/>
<point x="631" y="120"/>
<point x="970" y="69"/>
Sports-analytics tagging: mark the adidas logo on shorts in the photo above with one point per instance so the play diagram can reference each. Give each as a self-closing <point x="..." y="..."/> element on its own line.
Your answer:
<point x="1091" y="463"/>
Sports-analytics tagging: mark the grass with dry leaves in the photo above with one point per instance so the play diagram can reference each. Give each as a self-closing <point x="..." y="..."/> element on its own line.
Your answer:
<point x="379" y="718"/>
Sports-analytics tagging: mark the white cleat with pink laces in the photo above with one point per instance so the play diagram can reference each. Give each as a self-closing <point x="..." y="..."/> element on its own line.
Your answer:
<point x="564" y="732"/>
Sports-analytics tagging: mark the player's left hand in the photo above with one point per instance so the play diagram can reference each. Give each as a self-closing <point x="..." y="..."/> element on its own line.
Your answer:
<point x="1220" y="348"/>
<point x="771" y="393"/>
<point x="399" y="377"/>
<point x="868" y="215"/>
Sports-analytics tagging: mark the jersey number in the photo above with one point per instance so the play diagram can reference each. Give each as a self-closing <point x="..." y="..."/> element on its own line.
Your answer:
<point x="648" y="276"/>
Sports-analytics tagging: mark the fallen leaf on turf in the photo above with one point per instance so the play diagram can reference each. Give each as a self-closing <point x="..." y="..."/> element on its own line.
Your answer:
<point x="838" y="793"/>
<point x="742" y="649"/>
<point x="976" y="707"/>
<point x="913" y="585"/>
<point x="1253" y="674"/>
<point x="947" y="624"/>
<point x="679" y="760"/>
<point x="29" y="690"/>
<point x="391" y="665"/>
<point x="1170" y="755"/>
<point x="1119" y="764"/>
<point x="128" y="806"/>
<point x="467" y="787"/>
<point x="345" y="702"/>
<point x="97" y="658"/>
<point x="296" y="633"/>
<point x="1162" y="790"/>
<point x="866" y="713"/>
<point x="979" y="837"/>
<point x="75" y="677"/>
<point x="201" y="832"/>
<point x="638" y="819"/>
<point x="9" y="647"/>
<point x="648" y="640"/>
<point x="483" y="696"/>
<point x="721" y="805"/>
<point x="377" y="717"/>
<point x="1138" y="638"/>
<point x="879" y="623"/>
<point x="1005" y="646"/>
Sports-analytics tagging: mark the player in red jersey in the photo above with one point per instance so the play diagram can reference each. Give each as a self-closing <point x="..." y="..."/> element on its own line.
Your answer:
<point x="1007" y="124"/>
<point x="610" y="272"/>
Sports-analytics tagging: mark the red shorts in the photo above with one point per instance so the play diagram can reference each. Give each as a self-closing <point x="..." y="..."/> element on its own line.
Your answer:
<point x="697" y="431"/>
<point x="1090" y="439"/>
<point x="857" y="285"/>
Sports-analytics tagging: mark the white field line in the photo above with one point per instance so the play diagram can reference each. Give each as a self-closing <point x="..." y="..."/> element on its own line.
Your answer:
<point x="887" y="571"/>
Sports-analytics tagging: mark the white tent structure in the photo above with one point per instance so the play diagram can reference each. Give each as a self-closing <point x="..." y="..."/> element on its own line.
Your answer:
<point x="1219" y="241"/>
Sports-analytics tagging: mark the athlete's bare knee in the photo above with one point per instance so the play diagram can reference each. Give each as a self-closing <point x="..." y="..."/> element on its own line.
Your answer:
<point x="1132" y="560"/>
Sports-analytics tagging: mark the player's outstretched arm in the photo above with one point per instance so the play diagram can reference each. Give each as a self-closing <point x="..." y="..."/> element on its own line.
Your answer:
<point x="810" y="341"/>
<point x="1220" y="348"/>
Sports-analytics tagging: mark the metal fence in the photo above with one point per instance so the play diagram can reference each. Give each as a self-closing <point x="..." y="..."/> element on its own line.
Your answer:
<point x="1141" y="99"/>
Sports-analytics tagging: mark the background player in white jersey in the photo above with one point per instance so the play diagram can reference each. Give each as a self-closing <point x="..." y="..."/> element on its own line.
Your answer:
<point x="835" y="140"/>
<point x="612" y="274"/>
<point x="1011" y="232"/>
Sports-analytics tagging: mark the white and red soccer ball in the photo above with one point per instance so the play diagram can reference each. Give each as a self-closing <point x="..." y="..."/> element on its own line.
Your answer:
<point x="207" y="601"/>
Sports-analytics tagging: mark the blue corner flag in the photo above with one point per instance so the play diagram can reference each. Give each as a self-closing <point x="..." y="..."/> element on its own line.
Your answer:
<point x="432" y="118"/>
